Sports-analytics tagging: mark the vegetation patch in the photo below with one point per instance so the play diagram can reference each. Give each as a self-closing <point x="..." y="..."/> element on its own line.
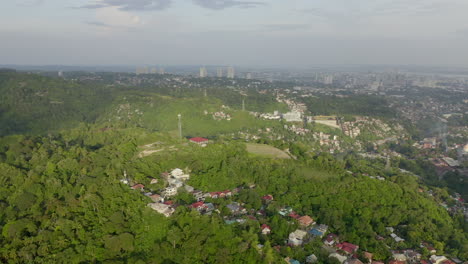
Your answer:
<point x="266" y="150"/>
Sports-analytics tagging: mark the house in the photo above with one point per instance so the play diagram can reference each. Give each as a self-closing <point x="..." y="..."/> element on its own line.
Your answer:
<point x="266" y="230"/>
<point x="399" y="257"/>
<point x="339" y="257"/>
<point x="293" y="214"/>
<point x="165" y="175"/>
<point x="154" y="181"/>
<point x="179" y="174"/>
<point x="331" y="239"/>
<point x="285" y="211"/>
<point x="140" y="187"/>
<point x="209" y="207"/>
<point x="198" y="195"/>
<point x="235" y="207"/>
<point x="397" y="238"/>
<point x="311" y="259"/>
<point x="377" y="262"/>
<point x="305" y="220"/>
<point x="368" y="256"/>
<point x="199" y="141"/>
<point x="170" y="191"/>
<point x="296" y="238"/>
<point x="200" y="206"/>
<point x="164" y="209"/>
<point x="156" y="198"/>
<point x="353" y="261"/>
<point x="175" y="182"/>
<point x="412" y="255"/>
<point x="348" y="247"/>
<point x="319" y="231"/>
<point x="396" y="262"/>
<point x="268" y="198"/>
<point x="437" y="259"/>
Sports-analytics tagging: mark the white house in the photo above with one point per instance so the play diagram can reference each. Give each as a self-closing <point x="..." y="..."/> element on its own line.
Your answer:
<point x="170" y="191"/>
<point x="296" y="238"/>
<point x="164" y="209"/>
<point x="179" y="174"/>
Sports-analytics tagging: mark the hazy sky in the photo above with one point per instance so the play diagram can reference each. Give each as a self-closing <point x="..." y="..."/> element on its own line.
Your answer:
<point x="237" y="32"/>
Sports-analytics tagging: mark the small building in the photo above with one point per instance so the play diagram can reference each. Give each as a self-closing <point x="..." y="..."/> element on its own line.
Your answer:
<point x="311" y="259"/>
<point x="437" y="259"/>
<point x="154" y="181"/>
<point x="235" y="207"/>
<point x="399" y="257"/>
<point x="368" y="256"/>
<point x="179" y="174"/>
<point x="266" y="230"/>
<point x="268" y="198"/>
<point x="164" y="209"/>
<point x="353" y="261"/>
<point x="296" y="238"/>
<point x="199" y="141"/>
<point x="170" y="191"/>
<point x="339" y="257"/>
<point x="319" y="231"/>
<point x="306" y="221"/>
<point x="347" y="247"/>
<point x="331" y="239"/>
<point x="156" y="198"/>
<point x="139" y="187"/>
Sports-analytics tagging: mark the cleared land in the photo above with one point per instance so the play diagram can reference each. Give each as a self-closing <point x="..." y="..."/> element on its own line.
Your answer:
<point x="266" y="150"/>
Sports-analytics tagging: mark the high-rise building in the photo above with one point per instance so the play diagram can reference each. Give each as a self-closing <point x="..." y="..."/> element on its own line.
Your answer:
<point x="219" y="72"/>
<point x="143" y="70"/>
<point x="248" y="76"/>
<point x="203" y="72"/>
<point x="230" y="72"/>
<point x="162" y="71"/>
<point x="154" y="70"/>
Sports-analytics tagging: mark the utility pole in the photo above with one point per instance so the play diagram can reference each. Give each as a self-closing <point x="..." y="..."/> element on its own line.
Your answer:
<point x="205" y="92"/>
<point x="180" y="125"/>
<point x="243" y="104"/>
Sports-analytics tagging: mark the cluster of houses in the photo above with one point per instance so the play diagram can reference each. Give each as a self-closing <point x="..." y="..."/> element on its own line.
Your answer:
<point x="298" y="130"/>
<point x="221" y="116"/>
<point x="344" y="252"/>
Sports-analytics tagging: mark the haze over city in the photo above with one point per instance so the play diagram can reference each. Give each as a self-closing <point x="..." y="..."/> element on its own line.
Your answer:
<point x="231" y="32"/>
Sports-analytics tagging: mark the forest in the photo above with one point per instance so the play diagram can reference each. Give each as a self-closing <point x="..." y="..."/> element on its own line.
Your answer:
<point x="65" y="146"/>
<point x="62" y="200"/>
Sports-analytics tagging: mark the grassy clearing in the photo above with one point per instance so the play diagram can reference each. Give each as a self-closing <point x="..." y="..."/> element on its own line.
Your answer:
<point x="267" y="151"/>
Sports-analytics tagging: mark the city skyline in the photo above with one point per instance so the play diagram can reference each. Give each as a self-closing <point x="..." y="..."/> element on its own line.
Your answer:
<point x="234" y="32"/>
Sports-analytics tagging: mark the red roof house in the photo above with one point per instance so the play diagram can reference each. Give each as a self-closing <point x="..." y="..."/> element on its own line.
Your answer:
<point x="294" y="215"/>
<point x="265" y="229"/>
<point x="198" y="205"/>
<point x="138" y="187"/>
<point x="268" y="197"/>
<point x="305" y="220"/>
<point x="199" y="140"/>
<point x="347" y="247"/>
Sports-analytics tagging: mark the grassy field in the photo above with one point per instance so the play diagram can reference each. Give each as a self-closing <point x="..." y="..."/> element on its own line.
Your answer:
<point x="266" y="151"/>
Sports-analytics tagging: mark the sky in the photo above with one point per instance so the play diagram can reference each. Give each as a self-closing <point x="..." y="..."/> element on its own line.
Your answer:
<point x="234" y="32"/>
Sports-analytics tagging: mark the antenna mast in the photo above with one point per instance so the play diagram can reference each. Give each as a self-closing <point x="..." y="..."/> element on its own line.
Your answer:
<point x="180" y="125"/>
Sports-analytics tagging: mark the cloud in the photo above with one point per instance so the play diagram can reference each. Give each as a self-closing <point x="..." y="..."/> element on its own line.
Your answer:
<point x="30" y="2"/>
<point x="286" y="27"/>
<point x="131" y="5"/>
<point x="223" y="4"/>
<point x="113" y="18"/>
<point x="99" y="24"/>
